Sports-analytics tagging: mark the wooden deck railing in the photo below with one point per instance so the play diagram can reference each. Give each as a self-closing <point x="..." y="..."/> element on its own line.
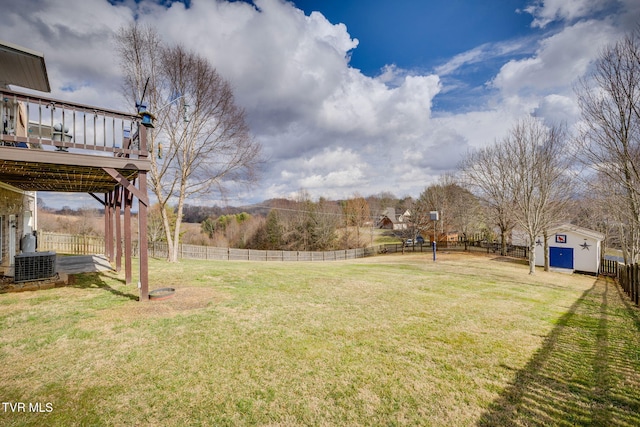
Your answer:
<point x="72" y="244"/>
<point x="37" y="121"/>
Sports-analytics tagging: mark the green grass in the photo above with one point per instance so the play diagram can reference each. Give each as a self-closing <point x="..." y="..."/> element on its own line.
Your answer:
<point x="382" y="237"/>
<point x="390" y="340"/>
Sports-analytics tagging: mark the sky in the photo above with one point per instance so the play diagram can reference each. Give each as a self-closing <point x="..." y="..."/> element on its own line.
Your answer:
<point x="346" y="97"/>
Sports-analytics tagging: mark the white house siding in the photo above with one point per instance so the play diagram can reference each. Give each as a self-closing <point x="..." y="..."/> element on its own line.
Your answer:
<point x="17" y="218"/>
<point x="586" y="245"/>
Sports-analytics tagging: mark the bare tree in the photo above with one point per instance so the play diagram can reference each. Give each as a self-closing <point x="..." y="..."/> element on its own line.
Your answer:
<point x="140" y="49"/>
<point x="380" y="202"/>
<point x="486" y="174"/>
<point x="433" y="198"/>
<point x="357" y="213"/>
<point x="536" y="169"/>
<point x="465" y="212"/>
<point x="201" y="138"/>
<point x="604" y="209"/>
<point x="457" y="207"/>
<point x="610" y="134"/>
<point x="155" y="230"/>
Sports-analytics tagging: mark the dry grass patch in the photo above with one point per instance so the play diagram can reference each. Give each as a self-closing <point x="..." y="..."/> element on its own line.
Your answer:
<point x="390" y="340"/>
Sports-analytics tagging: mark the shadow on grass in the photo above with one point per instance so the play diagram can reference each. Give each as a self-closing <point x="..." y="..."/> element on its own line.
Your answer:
<point x="95" y="281"/>
<point x="586" y="373"/>
<point x="633" y="310"/>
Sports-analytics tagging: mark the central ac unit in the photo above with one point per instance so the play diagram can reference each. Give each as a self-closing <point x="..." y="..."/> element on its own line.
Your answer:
<point x="34" y="266"/>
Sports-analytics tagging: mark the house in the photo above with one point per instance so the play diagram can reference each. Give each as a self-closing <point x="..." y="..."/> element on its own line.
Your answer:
<point x="17" y="220"/>
<point x="55" y="145"/>
<point x="390" y="221"/>
<point x="449" y="237"/>
<point x="18" y="208"/>
<point x="571" y="248"/>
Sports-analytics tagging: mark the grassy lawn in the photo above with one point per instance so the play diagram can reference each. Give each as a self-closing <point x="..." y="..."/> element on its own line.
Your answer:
<point x="389" y="340"/>
<point x="382" y="237"/>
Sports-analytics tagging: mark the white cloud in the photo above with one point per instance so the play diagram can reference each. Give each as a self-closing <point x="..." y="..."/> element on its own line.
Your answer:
<point x="558" y="109"/>
<point x="560" y="60"/>
<point x="75" y="40"/>
<point x="547" y="11"/>
<point x="484" y="52"/>
<point x="326" y="172"/>
<point x="324" y="125"/>
<point x="282" y="63"/>
<point x="368" y="106"/>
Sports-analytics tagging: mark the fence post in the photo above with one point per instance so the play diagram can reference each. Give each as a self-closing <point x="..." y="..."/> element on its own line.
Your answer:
<point x="618" y="274"/>
<point x="629" y="282"/>
<point x="634" y="274"/>
<point x="627" y="279"/>
<point x="630" y="285"/>
<point x="633" y="283"/>
<point x="636" y="283"/>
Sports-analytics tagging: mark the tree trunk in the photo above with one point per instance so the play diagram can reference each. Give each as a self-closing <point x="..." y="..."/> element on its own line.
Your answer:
<point x="176" y="238"/>
<point x="167" y="229"/>
<point x="546" y="251"/>
<point x="503" y="247"/>
<point x="532" y="257"/>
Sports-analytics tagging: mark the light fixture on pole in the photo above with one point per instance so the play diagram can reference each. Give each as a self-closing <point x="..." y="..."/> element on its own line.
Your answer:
<point x="433" y="215"/>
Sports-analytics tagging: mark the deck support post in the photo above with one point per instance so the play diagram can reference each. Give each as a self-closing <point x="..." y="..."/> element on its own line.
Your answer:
<point x="128" y="253"/>
<point x="142" y="222"/>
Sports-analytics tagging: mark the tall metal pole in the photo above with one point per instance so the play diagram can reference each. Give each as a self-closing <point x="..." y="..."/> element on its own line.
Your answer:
<point x="434" y="241"/>
<point x="434" y="217"/>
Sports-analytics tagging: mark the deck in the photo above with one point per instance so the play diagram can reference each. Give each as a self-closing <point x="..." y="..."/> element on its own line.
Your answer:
<point x="52" y="145"/>
<point x="48" y="144"/>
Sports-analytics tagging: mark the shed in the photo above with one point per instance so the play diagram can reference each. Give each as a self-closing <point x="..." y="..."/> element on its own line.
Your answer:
<point x="572" y="248"/>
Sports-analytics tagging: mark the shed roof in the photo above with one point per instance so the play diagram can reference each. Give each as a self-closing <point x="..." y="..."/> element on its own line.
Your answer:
<point x="578" y="230"/>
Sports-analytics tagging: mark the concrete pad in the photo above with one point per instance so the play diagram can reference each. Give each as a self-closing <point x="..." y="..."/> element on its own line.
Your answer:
<point x="82" y="264"/>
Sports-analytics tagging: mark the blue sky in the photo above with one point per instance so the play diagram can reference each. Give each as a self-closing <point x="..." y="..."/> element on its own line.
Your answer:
<point x="346" y="96"/>
<point x="421" y="34"/>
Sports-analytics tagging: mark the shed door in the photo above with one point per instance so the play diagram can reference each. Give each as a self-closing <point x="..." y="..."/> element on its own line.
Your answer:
<point x="561" y="257"/>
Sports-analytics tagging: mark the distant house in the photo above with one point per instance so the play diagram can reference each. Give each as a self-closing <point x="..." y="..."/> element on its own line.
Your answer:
<point x="389" y="220"/>
<point x="449" y="237"/>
